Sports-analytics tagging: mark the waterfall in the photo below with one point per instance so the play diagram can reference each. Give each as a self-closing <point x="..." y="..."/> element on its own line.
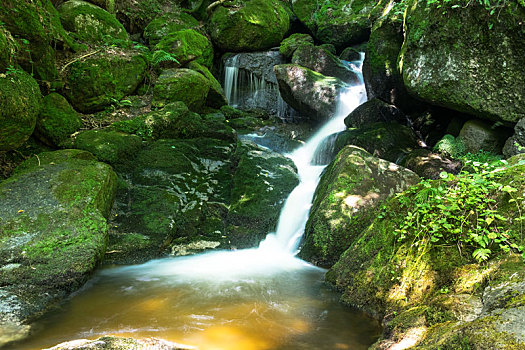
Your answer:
<point x="247" y="85"/>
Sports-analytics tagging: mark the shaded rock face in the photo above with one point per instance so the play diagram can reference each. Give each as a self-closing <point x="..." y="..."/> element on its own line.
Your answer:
<point x="347" y="200"/>
<point x="7" y="49"/>
<point x="168" y="23"/>
<point x="90" y="23"/>
<point x="54" y="232"/>
<point x="308" y="92"/>
<point x="97" y="81"/>
<point x="336" y="22"/>
<point x="429" y="165"/>
<point x="516" y="143"/>
<point x="249" y="26"/>
<point x="57" y="120"/>
<point x="478" y="72"/>
<point x="477" y="135"/>
<point x="20" y="103"/>
<point x="322" y="61"/>
<point x="380" y="70"/>
<point x="389" y="141"/>
<point x="373" y="111"/>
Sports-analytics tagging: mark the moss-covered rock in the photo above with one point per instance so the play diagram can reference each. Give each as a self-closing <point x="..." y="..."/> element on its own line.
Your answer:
<point x="261" y="183"/>
<point x="54" y="233"/>
<point x="293" y="42"/>
<point x="187" y="45"/>
<point x="307" y="91"/>
<point x="390" y="141"/>
<point x="7" y="50"/>
<point x="438" y="66"/>
<point x="516" y="143"/>
<point x="336" y="22"/>
<point x="181" y="84"/>
<point x="347" y="200"/>
<point x="374" y="111"/>
<point x="248" y="26"/>
<point x="322" y="61"/>
<point x="478" y="135"/>
<point x="109" y="146"/>
<point x="430" y="165"/>
<point x="91" y="23"/>
<point x="116" y="343"/>
<point x="104" y="78"/>
<point x="57" y="120"/>
<point x="168" y="23"/>
<point x="216" y="97"/>
<point x="20" y="103"/>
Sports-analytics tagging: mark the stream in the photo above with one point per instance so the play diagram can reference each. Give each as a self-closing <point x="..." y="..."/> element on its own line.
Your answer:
<point x="250" y="299"/>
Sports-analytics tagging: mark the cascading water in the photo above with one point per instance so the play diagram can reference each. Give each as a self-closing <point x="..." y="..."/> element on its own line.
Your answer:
<point x="251" y="299"/>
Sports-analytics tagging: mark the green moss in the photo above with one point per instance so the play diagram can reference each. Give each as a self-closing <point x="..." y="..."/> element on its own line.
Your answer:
<point x="216" y="97"/>
<point x="188" y="45"/>
<point x="250" y="26"/>
<point x="290" y="44"/>
<point x="7" y="49"/>
<point x="20" y="103"/>
<point x="57" y="120"/>
<point x="168" y="23"/>
<point x="90" y="23"/>
<point x="183" y="85"/>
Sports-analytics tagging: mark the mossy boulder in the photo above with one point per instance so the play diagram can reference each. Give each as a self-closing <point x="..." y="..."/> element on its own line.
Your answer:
<point x="7" y="50"/>
<point x="54" y="233"/>
<point x="249" y="26"/>
<point x="381" y="74"/>
<point x="108" y="146"/>
<point x="347" y="200"/>
<point x="99" y="80"/>
<point x="91" y="23"/>
<point x="478" y="135"/>
<point x="261" y="183"/>
<point x="322" y="61"/>
<point x="187" y="45"/>
<point x="20" y="103"/>
<point x="216" y="96"/>
<point x="390" y="141"/>
<point x="168" y="23"/>
<point x="293" y="42"/>
<point x="437" y="66"/>
<point x="175" y="121"/>
<point x="181" y="84"/>
<point x="374" y="111"/>
<point x="430" y="165"/>
<point x="57" y="120"/>
<point x="336" y="22"/>
<point x="308" y="92"/>
<point x="36" y="27"/>
<point x="118" y="343"/>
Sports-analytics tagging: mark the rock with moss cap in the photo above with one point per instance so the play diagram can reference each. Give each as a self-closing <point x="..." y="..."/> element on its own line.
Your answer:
<point x="261" y="182"/>
<point x="181" y="84"/>
<point x="20" y="103"/>
<point x="293" y="42"/>
<point x="168" y="23"/>
<point x="373" y="111"/>
<point x="307" y="91"/>
<point x="216" y="96"/>
<point x="90" y="23"/>
<point x="248" y="26"/>
<point x="57" y="120"/>
<point x="322" y="61"/>
<point x="347" y="200"/>
<point x="430" y="165"/>
<point x="54" y="233"/>
<point x="36" y="27"/>
<point x="7" y="50"/>
<point x="336" y="22"/>
<point x="187" y="45"/>
<point x="99" y="80"/>
<point x="437" y="68"/>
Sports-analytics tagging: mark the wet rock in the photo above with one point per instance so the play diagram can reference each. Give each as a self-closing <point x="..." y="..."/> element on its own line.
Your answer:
<point x="20" y="103"/>
<point x="181" y="84"/>
<point x="308" y="92"/>
<point x="104" y="78"/>
<point x="115" y="343"/>
<point x="90" y="23"/>
<point x="430" y="165"/>
<point x="57" y="120"/>
<point x="350" y="54"/>
<point x="53" y="220"/>
<point x="322" y="61"/>
<point x="438" y="69"/>
<point x="347" y="200"/>
<point x="374" y="111"/>
<point x="293" y="42"/>
<point x="168" y="23"/>
<point x="248" y="26"/>
<point x="478" y="135"/>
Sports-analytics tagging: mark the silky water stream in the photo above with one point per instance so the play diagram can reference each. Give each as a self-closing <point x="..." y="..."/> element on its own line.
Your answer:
<point x="250" y="299"/>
